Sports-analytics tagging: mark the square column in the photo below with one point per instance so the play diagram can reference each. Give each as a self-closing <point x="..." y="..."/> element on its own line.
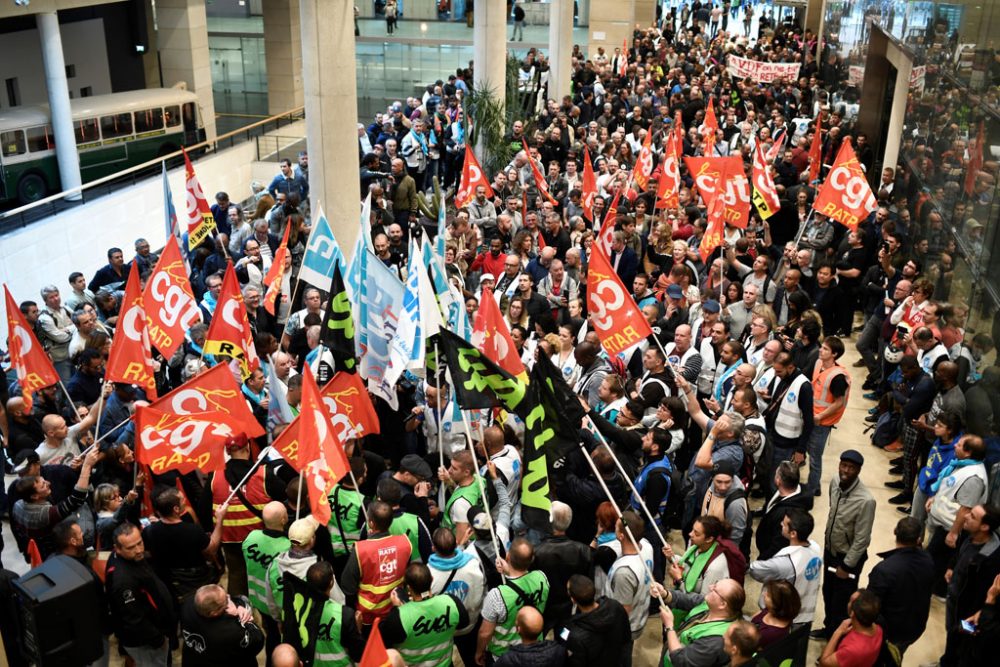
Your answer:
<point x="283" y="55"/>
<point x="560" y="48"/>
<point x="611" y="23"/>
<point x="183" y="47"/>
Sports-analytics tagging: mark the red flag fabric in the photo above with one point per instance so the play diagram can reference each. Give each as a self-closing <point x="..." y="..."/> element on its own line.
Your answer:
<point x="213" y="390"/>
<point x="816" y="150"/>
<point x="709" y="128"/>
<point x="644" y="163"/>
<point x="276" y="274"/>
<point x="34" y="555"/>
<point x="350" y="407"/>
<point x="679" y="132"/>
<point x="845" y="195"/>
<point x="975" y="163"/>
<point x="668" y="187"/>
<point x="714" y="232"/>
<point x="491" y="335"/>
<point x="229" y="332"/>
<point x="168" y="301"/>
<point x="183" y="442"/>
<point x="375" y="654"/>
<point x="472" y="178"/>
<point x="606" y="235"/>
<point x="709" y="173"/>
<point x="27" y="356"/>
<point x="130" y="359"/>
<point x="589" y="186"/>
<point x="201" y="220"/>
<point x="540" y="183"/>
<point x="765" y="195"/>
<point x="616" y="318"/>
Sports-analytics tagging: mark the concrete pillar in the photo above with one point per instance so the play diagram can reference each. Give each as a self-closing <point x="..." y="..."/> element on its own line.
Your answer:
<point x="151" y="59"/>
<point x="331" y="100"/>
<point x="560" y="48"/>
<point x="489" y="49"/>
<point x="885" y="134"/>
<point x="611" y="23"/>
<point x="283" y="55"/>
<point x="183" y="48"/>
<point x="62" y="116"/>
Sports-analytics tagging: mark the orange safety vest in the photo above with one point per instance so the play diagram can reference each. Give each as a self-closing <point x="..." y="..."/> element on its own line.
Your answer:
<point x="382" y="562"/>
<point x="822" y="398"/>
<point x="240" y="521"/>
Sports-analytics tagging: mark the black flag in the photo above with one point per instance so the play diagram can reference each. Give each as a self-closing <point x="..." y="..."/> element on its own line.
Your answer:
<point x="337" y="332"/>
<point x="302" y="610"/>
<point x="479" y="383"/>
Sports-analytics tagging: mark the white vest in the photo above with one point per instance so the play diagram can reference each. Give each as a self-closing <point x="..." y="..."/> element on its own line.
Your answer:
<point x="788" y="423"/>
<point x="761" y="384"/>
<point x="944" y="509"/>
<point x="709" y="364"/>
<point x="468" y="585"/>
<point x="808" y="564"/>
<point x="929" y="357"/>
<point x="639" y="602"/>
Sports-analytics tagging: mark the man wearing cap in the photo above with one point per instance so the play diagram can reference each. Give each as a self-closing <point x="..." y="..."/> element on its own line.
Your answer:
<point x="260" y="549"/>
<point x="412" y="476"/>
<point x="848" y="534"/>
<point x="726" y="499"/>
<point x="376" y="566"/>
<point x="243" y="515"/>
<point x="297" y="560"/>
<point x="675" y="313"/>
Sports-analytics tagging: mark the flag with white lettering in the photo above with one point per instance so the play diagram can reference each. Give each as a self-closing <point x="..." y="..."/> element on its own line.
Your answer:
<point x="322" y="254"/>
<point x="212" y="390"/>
<point x="201" y="220"/>
<point x="613" y="312"/>
<point x="130" y="359"/>
<point x="183" y="442"/>
<point x="845" y="195"/>
<point x="229" y="333"/>
<point x="381" y="304"/>
<point x="168" y="301"/>
<point x="765" y="195"/>
<point x="27" y="356"/>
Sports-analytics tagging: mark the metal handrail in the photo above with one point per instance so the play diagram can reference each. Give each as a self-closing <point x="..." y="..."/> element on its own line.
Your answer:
<point x="214" y="146"/>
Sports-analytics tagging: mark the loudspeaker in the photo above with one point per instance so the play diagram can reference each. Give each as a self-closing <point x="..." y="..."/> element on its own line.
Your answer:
<point x="60" y="614"/>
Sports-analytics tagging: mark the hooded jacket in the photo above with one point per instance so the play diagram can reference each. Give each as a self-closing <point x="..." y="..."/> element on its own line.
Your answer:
<point x="540" y="654"/>
<point x="597" y="637"/>
<point x="468" y="583"/>
<point x="298" y="565"/>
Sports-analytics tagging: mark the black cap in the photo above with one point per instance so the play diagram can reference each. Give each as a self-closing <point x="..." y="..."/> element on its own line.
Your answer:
<point x="416" y="466"/>
<point x="854" y="456"/>
<point x="724" y="468"/>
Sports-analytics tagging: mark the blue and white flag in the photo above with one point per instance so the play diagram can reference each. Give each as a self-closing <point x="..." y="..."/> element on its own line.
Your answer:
<point x="322" y="254"/>
<point x="278" y="409"/>
<point x="381" y="304"/>
<point x="418" y="321"/>
<point x="439" y="245"/>
<point x="171" y="227"/>
<point x="449" y="297"/>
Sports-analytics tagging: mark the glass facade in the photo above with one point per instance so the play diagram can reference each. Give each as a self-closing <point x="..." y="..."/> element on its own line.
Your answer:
<point x="948" y="174"/>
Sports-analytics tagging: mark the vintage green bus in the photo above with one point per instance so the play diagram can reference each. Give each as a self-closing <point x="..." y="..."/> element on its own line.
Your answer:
<point x="113" y="132"/>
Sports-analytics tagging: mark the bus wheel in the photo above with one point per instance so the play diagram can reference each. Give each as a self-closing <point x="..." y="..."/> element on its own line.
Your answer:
<point x="31" y="188"/>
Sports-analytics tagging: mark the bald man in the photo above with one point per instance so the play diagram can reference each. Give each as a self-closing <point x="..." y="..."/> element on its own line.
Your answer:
<point x="260" y="548"/>
<point x="62" y="442"/>
<point x="218" y="630"/>
<point x="24" y="430"/>
<point x="532" y="650"/>
<point x="284" y="655"/>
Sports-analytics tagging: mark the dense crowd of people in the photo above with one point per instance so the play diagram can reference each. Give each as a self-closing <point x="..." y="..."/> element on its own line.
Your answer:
<point x="690" y="475"/>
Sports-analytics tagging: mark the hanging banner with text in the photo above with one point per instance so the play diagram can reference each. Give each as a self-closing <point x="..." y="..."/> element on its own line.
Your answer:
<point x="762" y="72"/>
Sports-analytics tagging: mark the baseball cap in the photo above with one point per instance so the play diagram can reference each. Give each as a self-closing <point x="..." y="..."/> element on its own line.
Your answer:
<point x="724" y="468"/>
<point x="235" y="443"/>
<point x="854" y="456"/>
<point x="481" y="521"/>
<point x="711" y="306"/>
<point x="416" y="466"/>
<point x="302" y="532"/>
<point x="675" y="292"/>
<point x="485" y="277"/>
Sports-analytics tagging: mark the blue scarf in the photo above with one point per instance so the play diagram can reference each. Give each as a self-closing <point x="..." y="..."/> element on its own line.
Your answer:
<point x="256" y="398"/>
<point x="421" y="140"/>
<point x="726" y="374"/>
<point x="207" y="358"/>
<point x="604" y="538"/>
<point x="460" y="133"/>
<point x="210" y="302"/>
<point x="453" y="563"/>
<point x="952" y="466"/>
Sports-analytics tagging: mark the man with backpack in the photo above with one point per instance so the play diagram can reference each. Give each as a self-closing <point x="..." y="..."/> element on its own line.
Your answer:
<point x="726" y="499"/>
<point x="55" y="330"/>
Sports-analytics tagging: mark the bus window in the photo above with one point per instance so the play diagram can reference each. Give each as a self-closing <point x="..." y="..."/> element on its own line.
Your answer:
<point x="118" y="125"/>
<point x="173" y="115"/>
<point x="148" y="120"/>
<point x="86" y="130"/>
<point x="41" y="139"/>
<point x="13" y="143"/>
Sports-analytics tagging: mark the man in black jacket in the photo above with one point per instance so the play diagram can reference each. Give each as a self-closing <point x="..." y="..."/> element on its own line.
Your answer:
<point x="788" y="495"/>
<point x="903" y="582"/>
<point x="218" y="630"/>
<point x="561" y="558"/>
<point x="142" y="610"/>
<point x="599" y="632"/>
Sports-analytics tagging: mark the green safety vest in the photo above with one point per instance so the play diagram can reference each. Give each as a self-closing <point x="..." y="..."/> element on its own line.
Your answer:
<point x="696" y="631"/>
<point x="408" y="525"/>
<point x="535" y="587"/>
<point x="695" y="563"/>
<point x="345" y="519"/>
<point x="471" y="493"/>
<point x="430" y="627"/>
<point x="329" y="652"/>
<point x="259" y="550"/>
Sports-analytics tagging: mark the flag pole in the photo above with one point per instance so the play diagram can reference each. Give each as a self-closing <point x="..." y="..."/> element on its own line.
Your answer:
<point x="253" y="469"/>
<point x="354" y="481"/>
<point x="298" y="501"/>
<point x="628" y="480"/>
<point x="628" y="530"/>
<point x="482" y="485"/>
<point x="72" y="403"/>
<point x="100" y="410"/>
<point x="802" y="230"/>
<point x="440" y="430"/>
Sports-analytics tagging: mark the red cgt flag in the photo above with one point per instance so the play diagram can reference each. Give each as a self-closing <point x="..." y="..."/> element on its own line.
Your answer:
<point x="765" y="195"/>
<point x="170" y="306"/>
<point x="492" y="336"/>
<point x="351" y="410"/>
<point x="606" y="235"/>
<point x="472" y="178"/>
<point x="229" y="332"/>
<point x="644" y="164"/>
<point x="668" y="187"/>
<point x="201" y="220"/>
<point x="130" y="359"/>
<point x="183" y="442"/>
<point x="845" y="195"/>
<point x="540" y="183"/>
<point x="276" y="274"/>
<point x="816" y="150"/>
<point x="214" y="390"/>
<point x="714" y="232"/>
<point x="375" y="654"/>
<point x="589" y="186"/>
<point x="726" y="175"/>
<point x="709" y="128"/>
<point x="613" y="312"/>
<point x="27" y="356"/>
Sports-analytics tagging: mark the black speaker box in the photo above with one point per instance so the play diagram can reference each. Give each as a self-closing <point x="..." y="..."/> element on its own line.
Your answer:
<point x="60" y="614"/>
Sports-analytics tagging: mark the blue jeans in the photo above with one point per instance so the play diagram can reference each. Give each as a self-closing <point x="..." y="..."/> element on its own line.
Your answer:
<point x="815" y="447"/>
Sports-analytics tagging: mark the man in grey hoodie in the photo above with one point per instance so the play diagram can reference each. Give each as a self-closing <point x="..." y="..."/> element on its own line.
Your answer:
<point x="457" y="572"/>
<point x="297" y="560"/>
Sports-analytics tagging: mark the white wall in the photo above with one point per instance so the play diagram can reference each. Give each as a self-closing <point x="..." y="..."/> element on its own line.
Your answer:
<point x="83" y="47"/>
<point x="78" y="239"/>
